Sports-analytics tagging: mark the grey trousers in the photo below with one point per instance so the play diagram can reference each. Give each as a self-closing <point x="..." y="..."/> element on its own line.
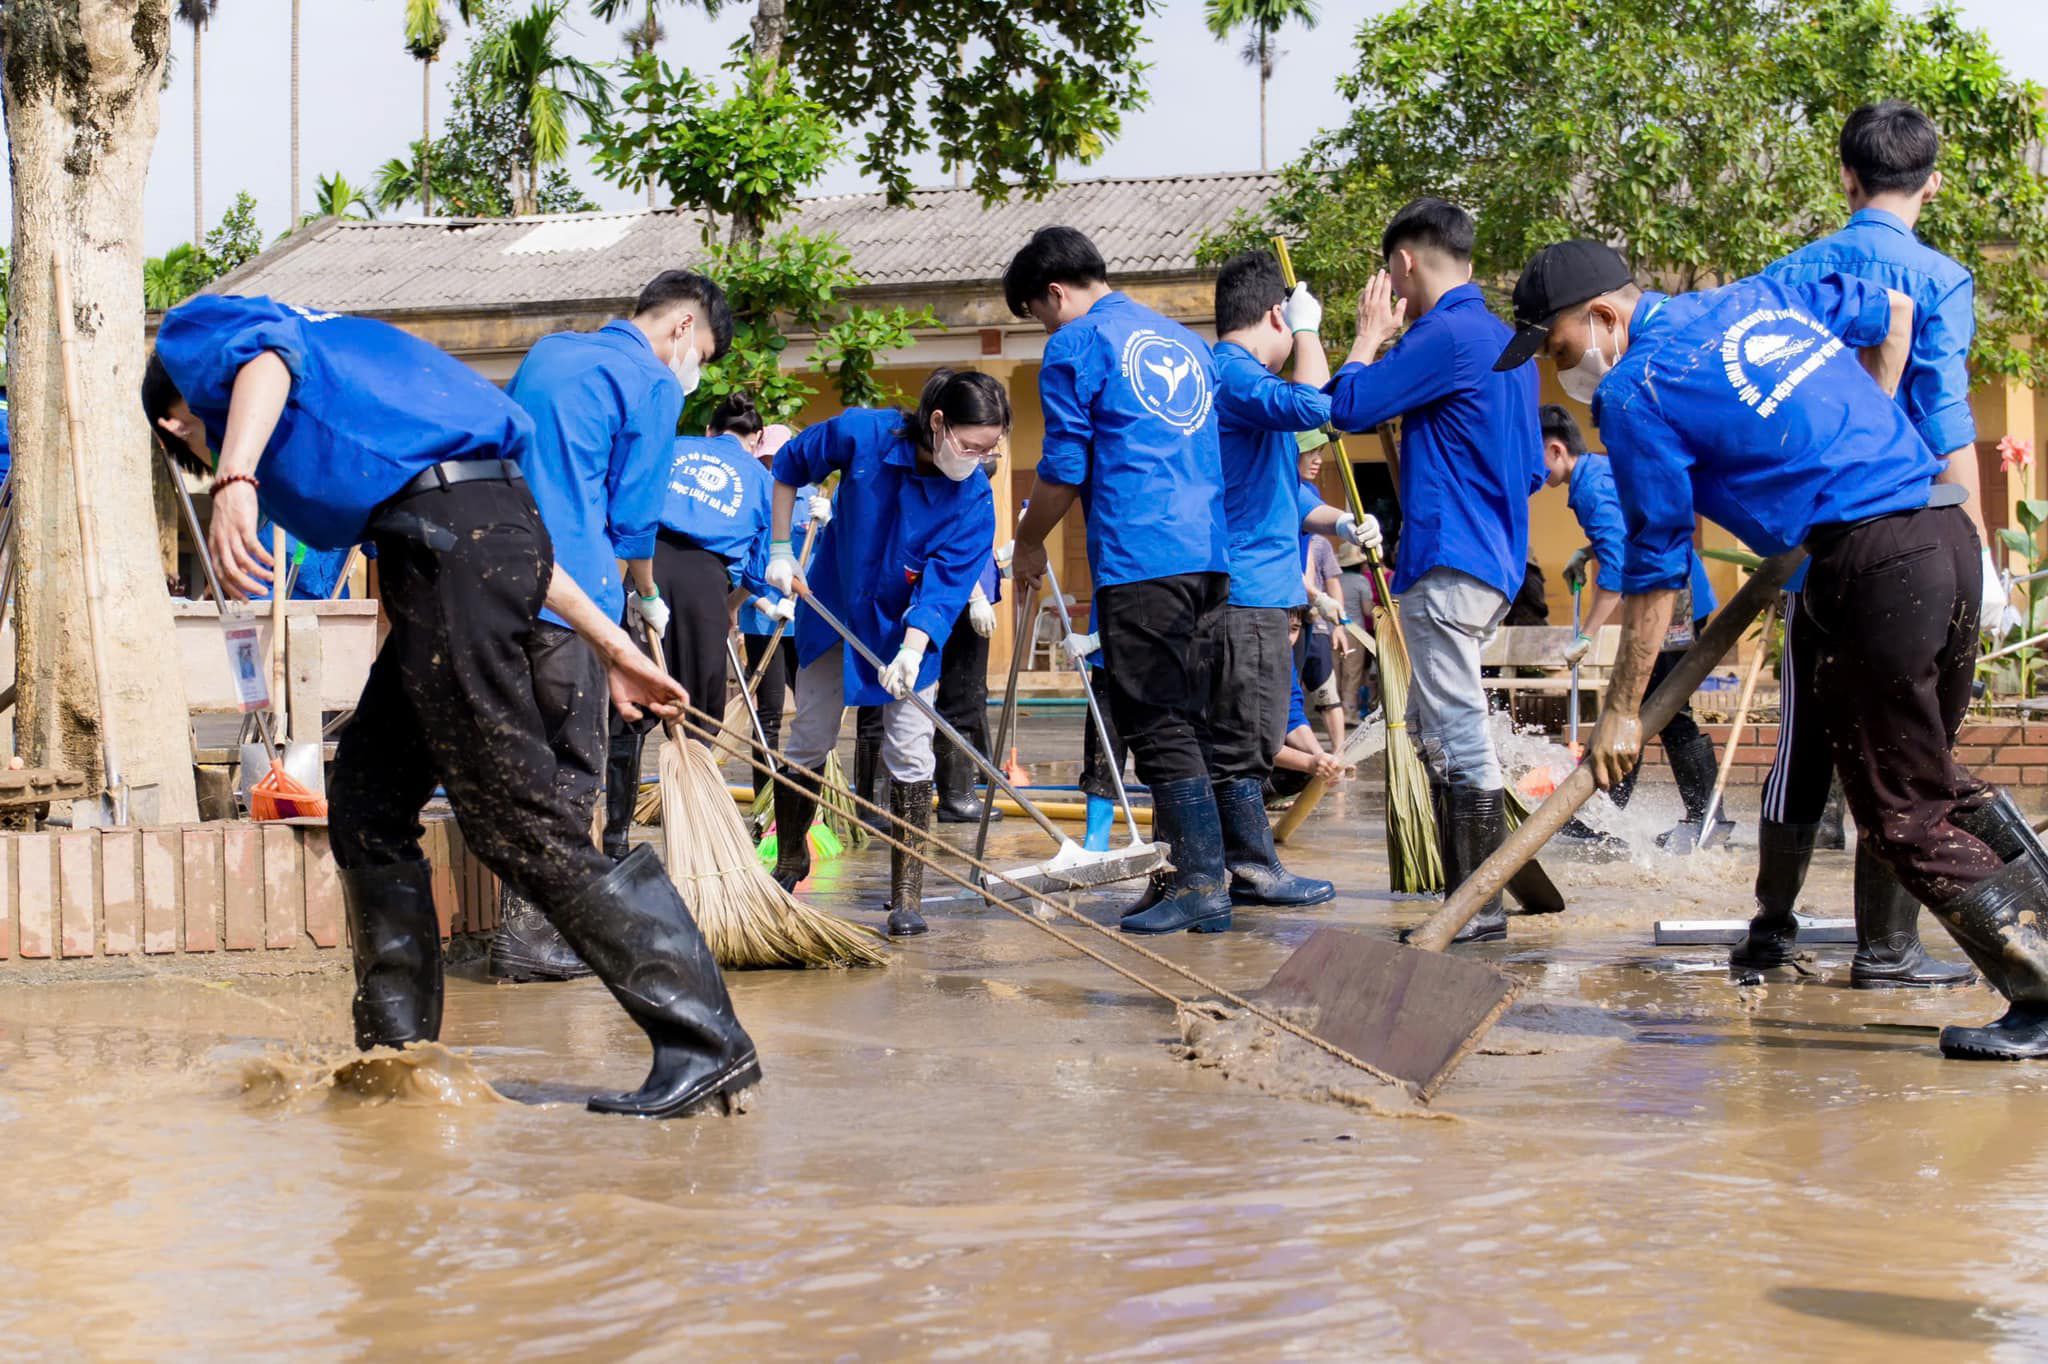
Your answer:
<point x="821" y="703"/>
<point x="1447" y="617"/>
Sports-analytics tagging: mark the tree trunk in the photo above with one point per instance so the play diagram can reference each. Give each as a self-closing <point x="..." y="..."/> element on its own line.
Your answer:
<point x="427" y="138"/>
<point x="770" y="24"/>
<point x="1265" y="76"/>
<point x="198" y="185"/>
<point x="295" y="113"/>
<point x="652" y="184"/>
<point x="80" y="88"/>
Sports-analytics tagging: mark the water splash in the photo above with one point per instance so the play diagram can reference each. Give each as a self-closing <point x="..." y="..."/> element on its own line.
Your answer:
<point x="426" y="1075"/>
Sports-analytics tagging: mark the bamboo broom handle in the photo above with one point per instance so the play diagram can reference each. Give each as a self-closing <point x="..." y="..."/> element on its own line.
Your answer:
<point x="1756" y="668"/>
<point x="1721" y="635"/>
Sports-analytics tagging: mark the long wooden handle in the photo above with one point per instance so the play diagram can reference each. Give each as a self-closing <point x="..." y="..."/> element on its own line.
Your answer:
<point x="1304" y="805"/>
<point x="803" y="565"/>
<point x="1756" y="668"/>
<point x="1721" y="635"/>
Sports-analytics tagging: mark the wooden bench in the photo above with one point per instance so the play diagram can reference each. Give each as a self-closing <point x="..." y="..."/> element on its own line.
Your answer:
<point x="1516" y="647"/>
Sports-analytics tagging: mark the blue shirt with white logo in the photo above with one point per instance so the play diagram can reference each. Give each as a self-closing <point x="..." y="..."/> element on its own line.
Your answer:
<point x="604" y="410"/>
<point x="1471" y="441"/>
<point x="718" y="498"/>
<point x="1257" y="414"/>
<point x="1128" y="398"/>
<point x="1747" y="404"/>
<point x="370" y="407"/>
<point x="903" y="549"/>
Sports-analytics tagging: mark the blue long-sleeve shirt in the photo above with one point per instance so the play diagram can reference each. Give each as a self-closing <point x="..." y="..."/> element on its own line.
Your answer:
<point x="753" y="621"/>
<point x="1747" y="403"/>
<point x="370" y="407"/>
<point x="1471" y="442"/>
<point x="604" y="411"/>
<point x="903" y="550"/>
<point x="1596" y="504"/>
<point x="1257" y="414"/>
<point x="718" y="497"/>
<point x="1128" y="398"/>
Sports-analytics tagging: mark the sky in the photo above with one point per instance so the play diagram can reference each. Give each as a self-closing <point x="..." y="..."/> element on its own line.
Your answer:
<point x="360" y="97"/>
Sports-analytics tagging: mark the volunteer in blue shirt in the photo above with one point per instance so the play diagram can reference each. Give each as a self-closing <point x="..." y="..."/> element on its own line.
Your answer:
<point x="1260" y="328"/>
<point x="913" y="526"/>
<point x="604" y="406"/>
<point x="1589" y="477"/>
<point x="767" y="617"/>
<point x="1887" y="162"/>
<point x="348" y="429"/>
<point x="1746" y="405"/>
<point x="1470" y="457"/>
<point x="963" y="694"/>
<point x="1130" y="432"/>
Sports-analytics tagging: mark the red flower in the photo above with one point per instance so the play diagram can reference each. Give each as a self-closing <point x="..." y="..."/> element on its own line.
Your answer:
<point x="2015" y="452"/>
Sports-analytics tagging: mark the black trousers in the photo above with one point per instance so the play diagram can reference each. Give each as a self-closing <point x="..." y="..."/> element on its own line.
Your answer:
<point x="1893" y="606"/>
<point x="1797" y="790"/>
<point x="774" y="689"/>
<point x="1253" y="681"/>
<point x="1159" y="649"/>
<point x="695" y="585"/>
<point x="963" y="689"/>
<point x="451" y="699"/>
<point x="569" y="686"/>
<point x="1095" y="764"/>
<point x="1682" y="730"/>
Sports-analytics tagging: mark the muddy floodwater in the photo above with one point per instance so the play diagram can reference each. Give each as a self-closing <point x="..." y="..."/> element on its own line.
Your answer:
<point x="990" y="1150"/>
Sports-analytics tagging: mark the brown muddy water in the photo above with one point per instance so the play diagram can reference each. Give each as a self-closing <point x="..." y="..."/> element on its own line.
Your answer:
<point x="990" y="1151"/>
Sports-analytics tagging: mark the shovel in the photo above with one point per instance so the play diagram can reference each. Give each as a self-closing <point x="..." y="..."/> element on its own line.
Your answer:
<point x="1072" y="867"/>
<point x="1116" y="769"/>
<point x="1413" y="1011"/>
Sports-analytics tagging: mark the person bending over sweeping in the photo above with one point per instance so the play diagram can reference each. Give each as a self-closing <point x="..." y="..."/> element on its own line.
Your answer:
<point x="604" y="406"/>
<point x="1130" y="430"/>
<point x="1887" y="165"/>
<point x="898" y="563"/>
<point x="1260" y="328"/>
<point x="1470" y="457"/>
<point x="1591" y="496"/>
<point x="350" y="429"/>
<point x="1745" y="404"/>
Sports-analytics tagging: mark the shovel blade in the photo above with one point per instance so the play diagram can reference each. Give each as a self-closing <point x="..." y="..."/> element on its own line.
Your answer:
<point x="1413" y="1014"/>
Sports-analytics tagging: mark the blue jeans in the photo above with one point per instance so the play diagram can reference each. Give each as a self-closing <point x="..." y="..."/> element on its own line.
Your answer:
<point x="1447" y="617"/>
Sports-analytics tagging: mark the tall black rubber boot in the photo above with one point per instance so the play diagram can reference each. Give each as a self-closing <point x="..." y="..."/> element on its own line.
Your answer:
<point x="1999" y="825"/>
<point x="959" y="802"/>
<point x="1694" y="770"/>
<point x="633" y="928"/>
<point x="1198" y="896"/>
<point x="527" y="947"/>
<point x="1157" y="887"/>
<point x="1888" y="950"/>
<point x="395" y="938"/>
<point x="910" y="802"/>
<point x="1998" y="922"/>
<point x="1256" y="876"/>
<point x="1473" y="825"/>
<point x="796" y="805"/>
<point x="1783" y="852"/>
<point x="1834" y="834"/>
<point x="867" y="766"/>
<point x="621" y="791"/>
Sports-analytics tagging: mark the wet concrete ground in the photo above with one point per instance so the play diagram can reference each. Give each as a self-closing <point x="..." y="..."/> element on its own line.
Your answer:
<point x="989" y="1150"/>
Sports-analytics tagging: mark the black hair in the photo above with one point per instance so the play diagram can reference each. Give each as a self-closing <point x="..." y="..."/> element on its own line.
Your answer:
<point x="158" y="393"/>
<point x="1054" y="255"/>
<point x="965" y="397"/>
<point x="1559" y="424"/>
<point x="1249" y="287"/>
<point x="735" y="415"/>
<point x="1430" y="222"/>
<point x="686" y="286"/>
<point x="1890" y="146"/>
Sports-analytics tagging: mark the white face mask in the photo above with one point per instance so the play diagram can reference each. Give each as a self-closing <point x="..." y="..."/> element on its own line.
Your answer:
<point x="685" y="363"/>
<point x="952" y="463"/>
<point x="1581" y="379"/>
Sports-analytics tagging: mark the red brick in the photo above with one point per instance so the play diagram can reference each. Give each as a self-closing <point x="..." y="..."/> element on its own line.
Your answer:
<point x="35" y="902"/>
<point x="242" y="887"/>
<point x="2037" y="732"/>
<point x="1999" y="775"/>
<point x="323" y="891"/>
<point x="1971" y="754"/>
<point x="120" y="892"/>
<point x="1749" y="754"/>
<point x="7" y="897"/>
<point x="2034" y="776"/>
<point x="284" y="888"/>
<point x="1994" y="732"/>
<point x="77" y="857"/>
<point x="2026" y="753"/>
<point x="160" y="876"/>
<point x="202" y="886"/>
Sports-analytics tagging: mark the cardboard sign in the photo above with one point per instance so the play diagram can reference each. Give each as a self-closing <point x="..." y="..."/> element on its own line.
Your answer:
<point x="247" y="666"/>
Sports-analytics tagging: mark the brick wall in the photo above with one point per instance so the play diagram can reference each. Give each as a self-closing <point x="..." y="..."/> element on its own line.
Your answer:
<point x="2005" y="752"/>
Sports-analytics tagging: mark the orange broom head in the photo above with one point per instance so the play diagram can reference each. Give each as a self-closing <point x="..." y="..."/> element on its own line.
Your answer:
<point x="277" y="796"/>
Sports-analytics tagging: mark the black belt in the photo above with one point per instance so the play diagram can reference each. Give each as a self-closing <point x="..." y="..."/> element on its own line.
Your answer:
<point x="1940" y="495"/>
<point x="450" y="472"/>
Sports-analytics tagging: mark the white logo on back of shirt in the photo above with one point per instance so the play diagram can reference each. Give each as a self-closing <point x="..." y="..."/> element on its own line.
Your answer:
<point x="1167" y="379"/>
<point x="309" y="315"/>
<point x="1760" y="368"/>
<point x="701" y="478"/>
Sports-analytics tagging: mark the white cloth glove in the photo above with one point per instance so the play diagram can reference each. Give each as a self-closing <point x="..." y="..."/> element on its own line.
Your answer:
<point x="781" y="573"/>
<point x="1329" y="608"/>
<point x="1302" y="312"/>
<point x="980" y="614"/>
<point x="1997" y="596"/>
<point x="1575" y="567"/>
<point x="1365" y="534"/>
<point x="784" y="610"/>
<point x="899" y="679"/>
<point x="821" y="510"/>
<point x="1078" y="648"/>
<point x="654" y="611"/>
<point x="1575" y="652"/>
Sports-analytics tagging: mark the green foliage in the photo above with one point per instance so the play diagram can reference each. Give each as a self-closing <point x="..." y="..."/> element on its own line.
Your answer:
<point x="541" y="85"/>
<point x="335" y="197"/>
<point x="173" y="277"/>
<point x="1261" y="21"/>
<point x="235" y="239"/>
<point x="1696" y="135"/>
<point x="184" y="270"/>
<point x="2020" y="672"/>
<point x="425" y="29"/>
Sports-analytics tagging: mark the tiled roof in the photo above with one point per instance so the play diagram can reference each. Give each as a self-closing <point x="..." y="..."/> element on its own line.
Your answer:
<point x="945" y="236"/>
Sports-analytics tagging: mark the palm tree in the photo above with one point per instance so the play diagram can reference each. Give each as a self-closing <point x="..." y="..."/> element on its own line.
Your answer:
<point x="424" y="33"/>
<point x="542" y="83"/>
<point x="335" y="197"/>
<point x="167" y="279"/>
<point x="295" y="110"/>
<point x="197" y="13"/>
<point x="1262" y="21"/>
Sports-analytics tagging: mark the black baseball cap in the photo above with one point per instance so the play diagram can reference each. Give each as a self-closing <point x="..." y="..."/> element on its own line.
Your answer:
<point x="1556" y="278"/>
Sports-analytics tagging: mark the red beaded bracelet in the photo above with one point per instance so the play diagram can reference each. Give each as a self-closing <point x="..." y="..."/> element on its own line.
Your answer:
<point x="226" y="479"/>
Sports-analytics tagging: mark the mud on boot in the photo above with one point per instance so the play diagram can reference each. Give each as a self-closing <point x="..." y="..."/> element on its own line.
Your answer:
<point x="395" y="940"/>
<point x="526" y="946"/>
<point x="633" y="929"/>
<point x="1256" y="876"/>
<point x="1197" y="896"/>
<point x="1783" y="852"/>
<point x="796" y="805"/>
<point x="1998" y="922"/>
<point x="1470" y="824"/>
<point x="959" y="801"/>
<point x="911" y="803"/>
<point x="1888" y="950"/>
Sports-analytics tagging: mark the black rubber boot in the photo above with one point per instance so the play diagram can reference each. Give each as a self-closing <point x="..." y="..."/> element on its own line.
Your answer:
<point x="1198" y="896"/>
<point x="1999" y="825"/>
<point x="1256" y="876"/>
<point x="395" y="937"/>
<point x="1783" y="852"/>
<point x="1694" y="770"/>
<point x="796" y="805"/>
<point x="527" y="947"/>
<point x="1834" y="835"/>
<point x="910" y="802"/>
<point x="959" y="803"/>
<point x="867" y="767"/>
<point x="621" y="792"/>
<point x="1888" y="950"/>
<point x="1475" y="823"/>
<point x="633" y="928"/>
<point x="1157" y="887"/>
<point x="1998" y="923"/>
